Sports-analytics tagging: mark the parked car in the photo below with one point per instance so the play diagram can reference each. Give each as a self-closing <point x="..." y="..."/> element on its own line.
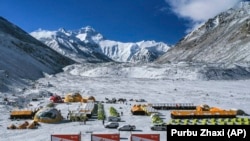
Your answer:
<point x="111" y="125"/>
<point x="126" y="127"/>
<point x="112" y="118"/>
<point x="159" y="127"/>
<point x="140" y="100"/>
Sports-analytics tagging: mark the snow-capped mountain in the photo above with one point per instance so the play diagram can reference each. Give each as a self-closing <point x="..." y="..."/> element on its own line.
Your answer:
<point x="89" y="45"/>
<point x="224" y="39"/>
<point x="80" y="45"/>
<point x="144" y="51"/>
<point x="23" y="57"/>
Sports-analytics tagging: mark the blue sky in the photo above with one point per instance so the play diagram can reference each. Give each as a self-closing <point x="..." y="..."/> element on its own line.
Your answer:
<point x="121" y="20"/>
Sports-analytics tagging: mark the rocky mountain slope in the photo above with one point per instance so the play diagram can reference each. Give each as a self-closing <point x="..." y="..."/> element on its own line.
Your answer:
<point x="224" y="39"/>
<point x="22" y="57"/>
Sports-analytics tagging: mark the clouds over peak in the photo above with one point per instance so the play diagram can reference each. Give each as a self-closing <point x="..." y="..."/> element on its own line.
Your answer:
<point x="198" y="11"/>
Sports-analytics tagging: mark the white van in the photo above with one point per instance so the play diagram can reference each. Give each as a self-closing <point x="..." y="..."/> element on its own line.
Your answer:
<point x="111" y="125"/>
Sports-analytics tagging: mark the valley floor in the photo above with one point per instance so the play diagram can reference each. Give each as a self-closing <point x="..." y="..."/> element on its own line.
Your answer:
<point x="224" y="94"/>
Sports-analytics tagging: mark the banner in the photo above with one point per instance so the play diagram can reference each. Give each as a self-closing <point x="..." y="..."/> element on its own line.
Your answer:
<point x="66" y="137"/>
<point x="105" y="137"/>
<point x="145" y="137"/>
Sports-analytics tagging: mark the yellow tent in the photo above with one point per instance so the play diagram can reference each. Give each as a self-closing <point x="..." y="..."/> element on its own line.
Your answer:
<point x="86" y="99"/>
<point x="75" y="97"/>
<point x="138" y="110"/>
<point x="22" y="114"/>
<point x="48" y="115"/>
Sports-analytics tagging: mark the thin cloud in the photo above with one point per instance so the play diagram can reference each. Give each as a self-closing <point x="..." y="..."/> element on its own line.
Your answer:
<point x="198" y="11"/>
<point x="163" y="9"/>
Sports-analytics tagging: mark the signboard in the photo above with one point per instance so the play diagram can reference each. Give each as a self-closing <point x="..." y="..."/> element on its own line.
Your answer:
<point x="105" y="137"/>
<point x="145" y="137"/>
<point x="66" y="137"/>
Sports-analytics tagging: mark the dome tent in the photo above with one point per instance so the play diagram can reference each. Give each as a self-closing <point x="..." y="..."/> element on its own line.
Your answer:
<point x="48" y="115"/>
<point x="75" y="97"/>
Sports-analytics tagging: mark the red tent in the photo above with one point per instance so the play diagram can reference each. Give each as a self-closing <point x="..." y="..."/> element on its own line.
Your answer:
<point x="56" y="99"/>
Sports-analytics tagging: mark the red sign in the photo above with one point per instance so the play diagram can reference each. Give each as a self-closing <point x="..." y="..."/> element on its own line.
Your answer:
<point x="105" y="137"/>
<point x="145" y="137"/>
<point x="66" y="137"/>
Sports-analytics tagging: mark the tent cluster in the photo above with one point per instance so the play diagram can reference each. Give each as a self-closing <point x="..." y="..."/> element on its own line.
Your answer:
<point x="71" y="97"/>
<point x="51" y="114"/>
<point x="25" y="125"/>
<point x="77" y="97"/>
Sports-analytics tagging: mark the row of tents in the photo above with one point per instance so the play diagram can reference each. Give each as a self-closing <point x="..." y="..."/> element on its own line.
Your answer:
<point x="71" y="97"/>
<point x="25" y="125"/>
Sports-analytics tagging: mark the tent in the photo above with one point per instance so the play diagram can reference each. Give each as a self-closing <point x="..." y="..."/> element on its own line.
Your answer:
<point x="86" y="99"/>
<point x="56" y="99"/>
<point x="75" y="97"/>
<point x="138" y="110"/>
<point x="48" y="115"/>
<point x="25" y="125"/>
<point x="22" y="114"/>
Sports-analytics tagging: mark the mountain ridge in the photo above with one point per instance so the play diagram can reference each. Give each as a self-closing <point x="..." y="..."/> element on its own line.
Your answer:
<point x="90" y="41"/>
<point x="223" y="39"/>
<point x="25" y="58"/>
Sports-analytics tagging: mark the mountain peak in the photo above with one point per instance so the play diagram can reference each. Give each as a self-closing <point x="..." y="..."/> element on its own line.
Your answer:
<point x="63" y="30"/>
<point x="87" y="29"/>
<point x="88" y="35"/>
